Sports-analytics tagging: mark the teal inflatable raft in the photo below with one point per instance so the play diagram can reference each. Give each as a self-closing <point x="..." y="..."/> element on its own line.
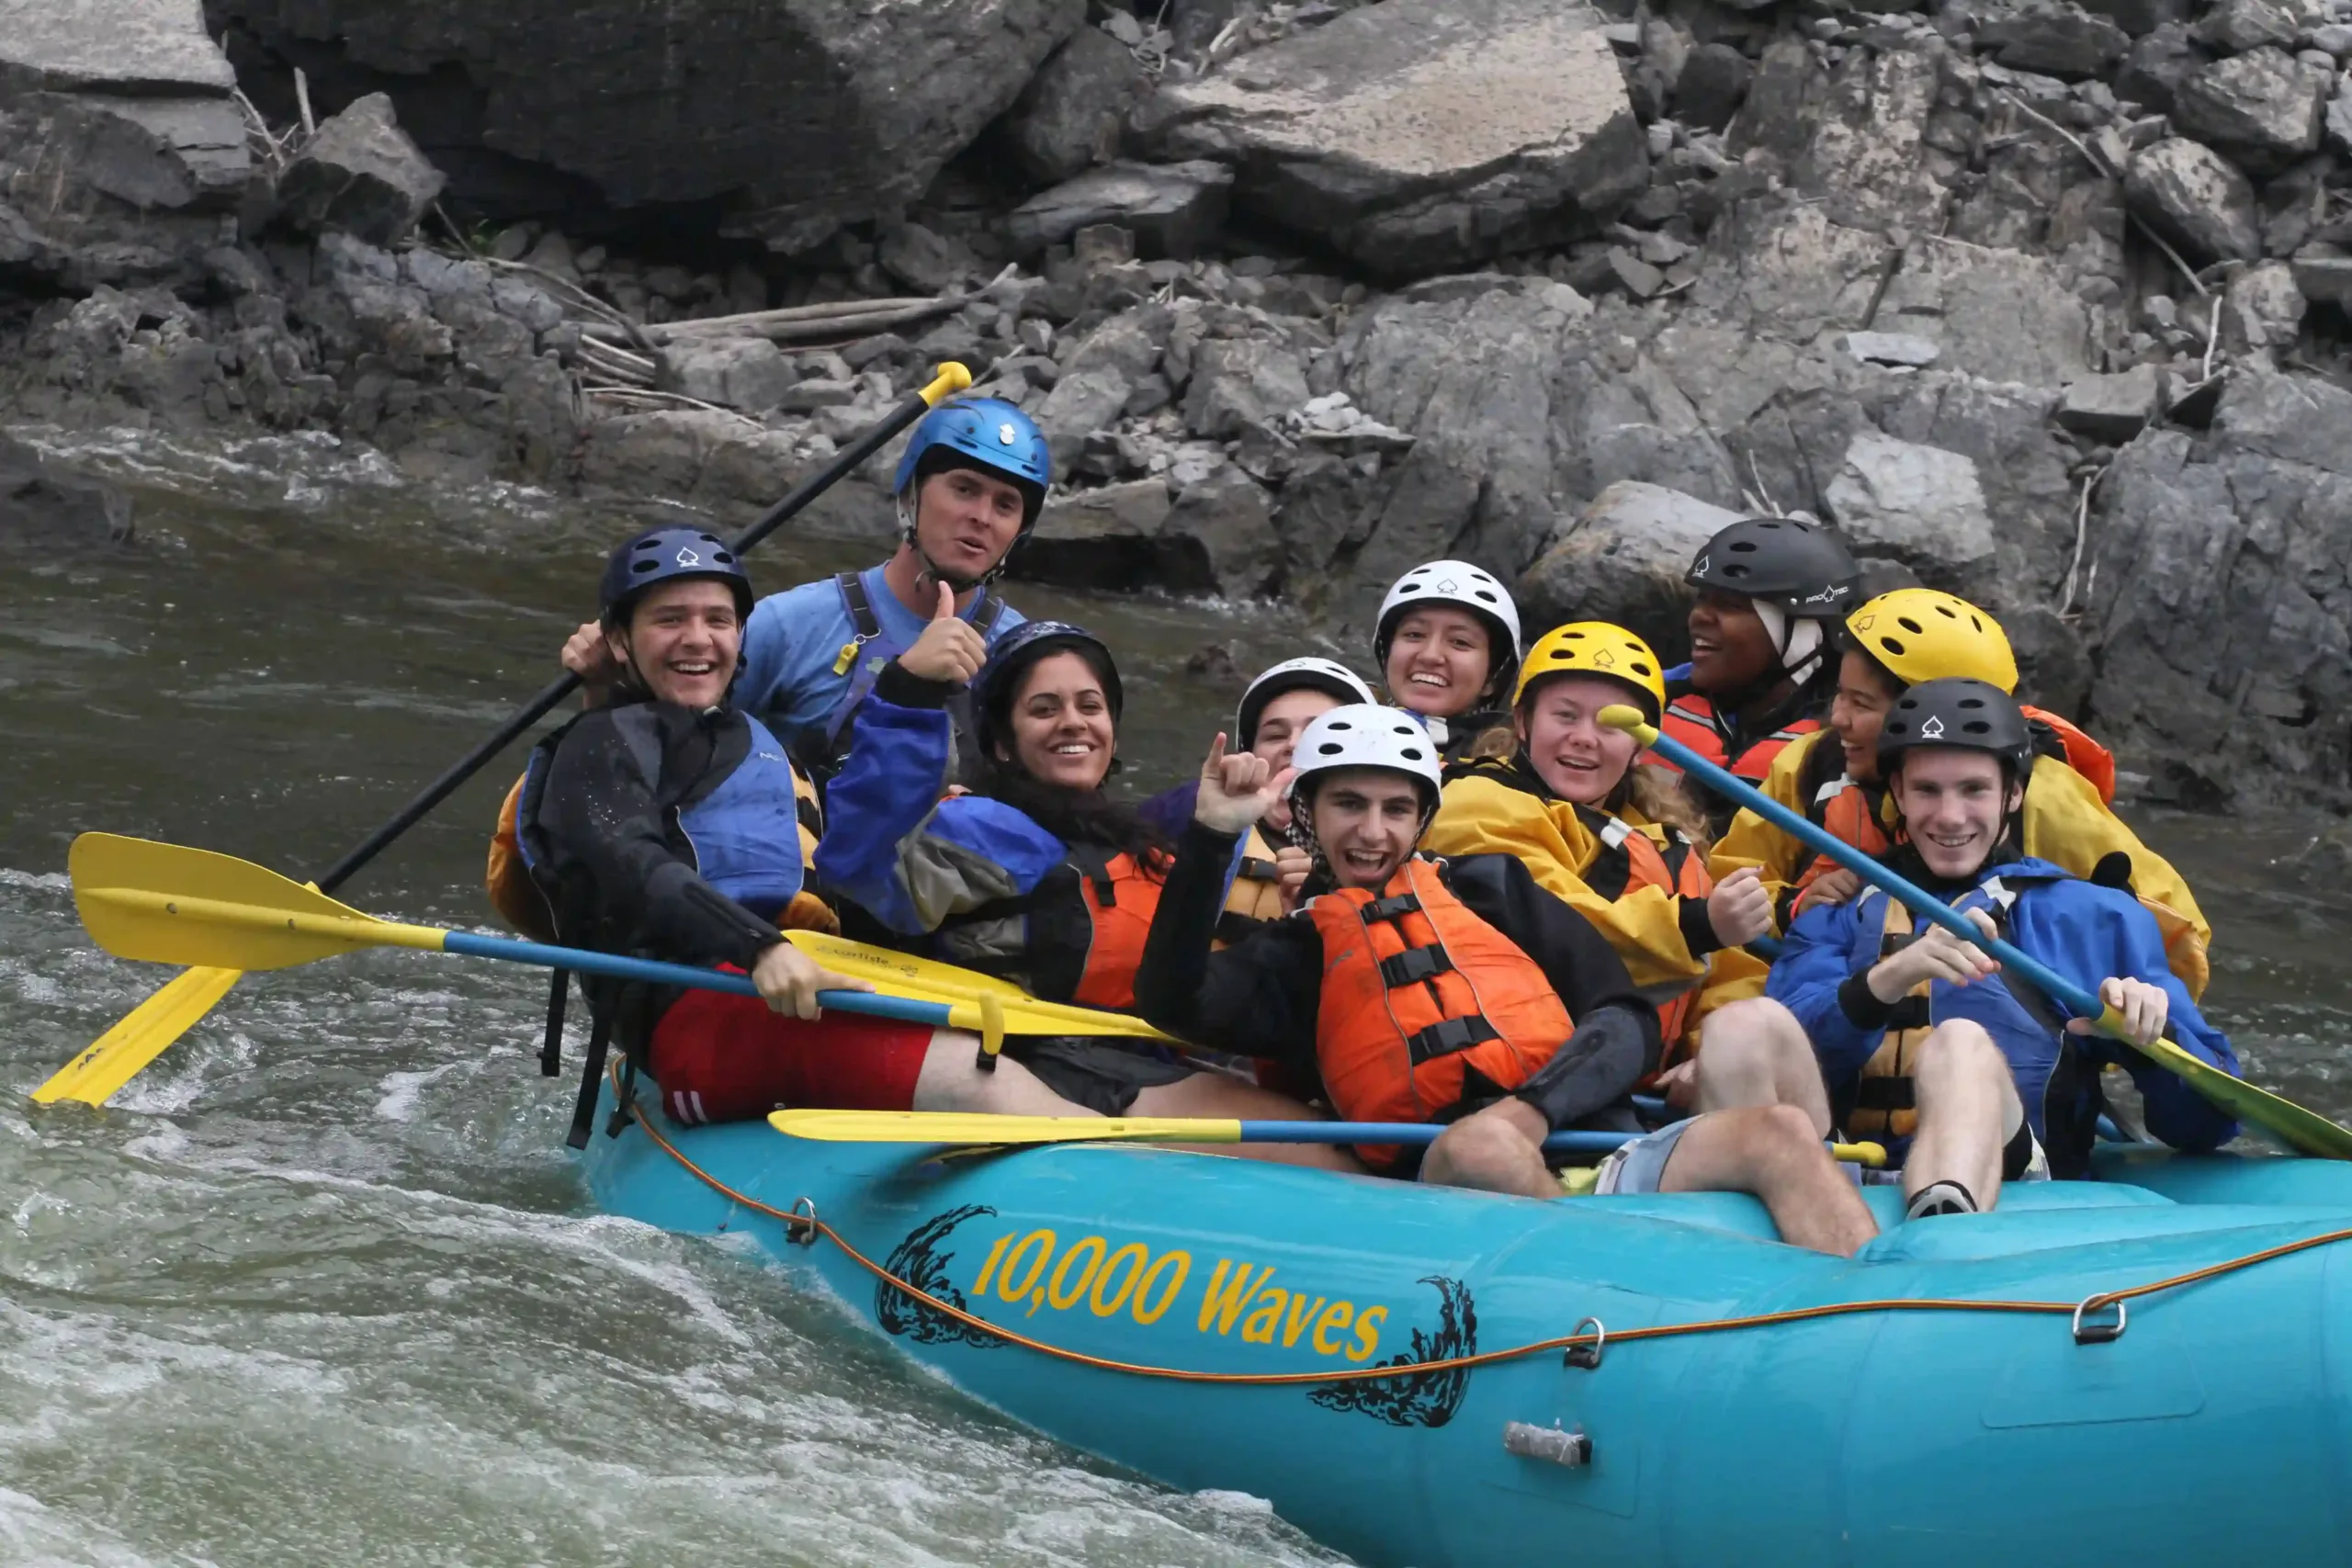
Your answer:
<point x="1418" y="1376"/>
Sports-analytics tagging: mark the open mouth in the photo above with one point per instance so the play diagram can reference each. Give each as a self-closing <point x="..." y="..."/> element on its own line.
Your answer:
<point x="1429" y="678"/>
<point x="693" y="669"/>
<point x="1367" y="860"/>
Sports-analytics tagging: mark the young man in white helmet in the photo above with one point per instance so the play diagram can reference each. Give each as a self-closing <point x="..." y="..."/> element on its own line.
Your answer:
<point x="1447" y="644"/>
<point x="1428" y="990"/>
<point x="1419" y="990"/>
<point x="1275" y="710"/>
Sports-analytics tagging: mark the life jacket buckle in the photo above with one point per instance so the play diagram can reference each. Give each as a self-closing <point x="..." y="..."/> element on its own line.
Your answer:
<point x="2098" y="1333"/>
<point x="1389" y="909"/>
<point x="1449" y="1035"/>
<point x="1415" y="964"/>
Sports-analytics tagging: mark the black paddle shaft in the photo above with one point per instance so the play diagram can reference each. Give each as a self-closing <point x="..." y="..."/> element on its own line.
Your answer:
<point x="466" y="767"/>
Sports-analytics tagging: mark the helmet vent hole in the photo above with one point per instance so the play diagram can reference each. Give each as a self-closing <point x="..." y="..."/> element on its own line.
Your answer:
<point x="1947" y="613"/>
<point x="1743" y="546"/>
<point x="1892" y="645"/>
<point x="1909" y="624"/>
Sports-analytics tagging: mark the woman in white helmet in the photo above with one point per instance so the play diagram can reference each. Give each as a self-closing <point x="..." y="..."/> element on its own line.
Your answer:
<point x="1268" y="867"/>
<point x="1419" y="990"/>
<point x="1447" y="644"/>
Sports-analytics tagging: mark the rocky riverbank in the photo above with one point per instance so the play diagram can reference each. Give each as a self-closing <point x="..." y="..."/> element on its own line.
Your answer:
<point x="2039" y="302"/>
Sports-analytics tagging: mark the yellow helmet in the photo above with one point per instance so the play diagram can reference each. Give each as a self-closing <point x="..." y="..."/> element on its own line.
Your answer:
<point x="1595" y="647"/>
<point x="1923" y="634"/>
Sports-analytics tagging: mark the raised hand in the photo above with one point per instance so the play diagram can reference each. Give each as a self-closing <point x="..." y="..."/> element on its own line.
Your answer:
<point x="949" y="650"/>
<point x="1236" y="789"/>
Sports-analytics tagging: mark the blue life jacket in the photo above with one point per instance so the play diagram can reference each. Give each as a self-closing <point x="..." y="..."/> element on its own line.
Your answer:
<point x="2060" y="1091"/>
<point x="744" y="836"/>
<point x="870" y="648"/>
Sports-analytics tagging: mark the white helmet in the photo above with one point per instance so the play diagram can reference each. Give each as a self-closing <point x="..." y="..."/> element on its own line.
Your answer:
<point x="1309" y="675"/>
<point x="1366" y="735"/>
<point x="1467" y="587"/>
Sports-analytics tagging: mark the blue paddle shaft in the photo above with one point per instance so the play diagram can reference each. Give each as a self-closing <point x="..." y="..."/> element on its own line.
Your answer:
<point x="907" y="1009"/>
<point x="1920" y="901"/>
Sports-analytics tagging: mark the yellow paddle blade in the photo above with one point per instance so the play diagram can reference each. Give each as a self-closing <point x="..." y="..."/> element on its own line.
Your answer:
<point x="145" y="1033"/>
<point x="168" y="904"/>
<point x="904" y="974"/>
<point x="2306" y="1132"/>
<point x="961" y="1127"/>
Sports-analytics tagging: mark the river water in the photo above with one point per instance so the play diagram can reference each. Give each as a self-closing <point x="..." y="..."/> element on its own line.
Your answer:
<point x="322" y="1286"/>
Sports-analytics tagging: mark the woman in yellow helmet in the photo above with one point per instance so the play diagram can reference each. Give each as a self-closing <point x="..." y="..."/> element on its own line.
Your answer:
<point x="1559" y="790"/>
<point x="1893" y="643"/>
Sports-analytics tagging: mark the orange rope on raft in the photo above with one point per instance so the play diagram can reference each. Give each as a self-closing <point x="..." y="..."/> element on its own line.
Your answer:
<point x="1483" y="1357"/>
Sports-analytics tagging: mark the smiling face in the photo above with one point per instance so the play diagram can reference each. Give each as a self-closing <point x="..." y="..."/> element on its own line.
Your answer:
<point x="1864" y="693"/>
<point x="1280" y="724"/>
<point x="1730" y="650"/>
<point x="682" y="639"/>
<point x="965" y="520"/>
<point x="1061" y="725"/>
<point x="1367" y="821"/>
<point x="1438" y="660"/>
<point x="1953" y="806"/>
<point x="1578" y="758"/>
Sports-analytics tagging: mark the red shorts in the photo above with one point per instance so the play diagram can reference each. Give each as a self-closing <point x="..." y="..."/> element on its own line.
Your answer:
<point x="721" y="1057"/>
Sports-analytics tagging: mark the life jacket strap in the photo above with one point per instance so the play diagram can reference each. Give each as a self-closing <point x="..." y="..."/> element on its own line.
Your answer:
<point x="1884" y="1094"/>
<point x="592" y="1077"/>
<point x="1449" y="1035"/>
<point x="1252" y="869"/>
<point x="552" y="1043"/>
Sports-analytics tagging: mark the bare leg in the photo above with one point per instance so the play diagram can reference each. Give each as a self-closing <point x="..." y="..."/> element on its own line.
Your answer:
<point x="951" y="1079"/>
<point x="1500" y="1149"/>
<point x="1969" y="1111"/>
<point x="1756" y="1052"/>
<point x="1223" y="1095"/>
<point x="1773" y="1152"/>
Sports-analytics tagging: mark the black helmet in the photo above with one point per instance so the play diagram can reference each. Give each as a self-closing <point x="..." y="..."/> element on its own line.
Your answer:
<point x="1793" y="566"/>
<point x="666" y="554"/>
<point x="1019" y="649"/>
<point x="1958" y="713"/>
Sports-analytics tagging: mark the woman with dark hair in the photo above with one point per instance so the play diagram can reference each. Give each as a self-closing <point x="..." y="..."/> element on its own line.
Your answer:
<point x="1033" y="873"/>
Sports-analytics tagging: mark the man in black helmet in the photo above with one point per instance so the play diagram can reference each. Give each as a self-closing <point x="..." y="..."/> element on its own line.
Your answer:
<point x="1970" y="1075"/>
<point x="1771" y="594"/>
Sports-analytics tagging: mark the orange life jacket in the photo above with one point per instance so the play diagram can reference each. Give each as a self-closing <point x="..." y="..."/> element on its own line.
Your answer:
<point x="1690" y="718"/>
<point x="1629" y="858"/>
<point x="2083" y="754"/>
<point x="1424" y="1004"/>
<point x="1120" y="899"/>
<point x="1848" y="812"/>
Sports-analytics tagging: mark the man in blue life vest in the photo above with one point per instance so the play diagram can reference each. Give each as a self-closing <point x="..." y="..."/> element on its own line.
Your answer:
<point x="969" y="487"/>
<point x="1970" y="1075"/>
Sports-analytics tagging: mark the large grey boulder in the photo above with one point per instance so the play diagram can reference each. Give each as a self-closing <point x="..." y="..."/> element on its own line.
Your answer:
<point x="1419" y="135"/>
<point x="2055" y="40"/>
<point x="2223" y="651"/>
<point x="1171" y="209"/>
<point x="1622" y="559"/>
<point x="121" y="190"/>
<point x="1241" y="385"/>
<point x="2264" y="101"/>
<point x="1097" y="378"/>
<point x="49" y="510"/>
<point x="1215" y="536"/>
<point x="1070" y="114"/>
<point x="804" y="114"/>
<point x="1918" y="505"/>
<point x="136" y="48"/>
<point x="750" y="373"/>
<point x="360" y="173"/>
<point x="2195" y="198"/>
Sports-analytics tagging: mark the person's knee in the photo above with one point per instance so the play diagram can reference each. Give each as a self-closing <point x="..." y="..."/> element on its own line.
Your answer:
<point x="1479" y="1151"/>
<point x="1755" y="1024"/>
<point x="1959" y="1055"/>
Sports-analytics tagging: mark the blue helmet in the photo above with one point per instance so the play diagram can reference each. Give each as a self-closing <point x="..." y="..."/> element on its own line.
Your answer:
<point x="665" y="554"/>
<point x="994" y="435"/>
<point x="1015" y="652"/>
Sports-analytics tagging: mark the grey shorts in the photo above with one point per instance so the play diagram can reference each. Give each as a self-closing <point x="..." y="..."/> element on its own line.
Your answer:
<point x="1639" y="1165"/>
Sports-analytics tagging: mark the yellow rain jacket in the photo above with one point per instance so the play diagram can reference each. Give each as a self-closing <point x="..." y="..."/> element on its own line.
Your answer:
<point x="2064" y="823"/>
<point x="1642" y="883"/>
